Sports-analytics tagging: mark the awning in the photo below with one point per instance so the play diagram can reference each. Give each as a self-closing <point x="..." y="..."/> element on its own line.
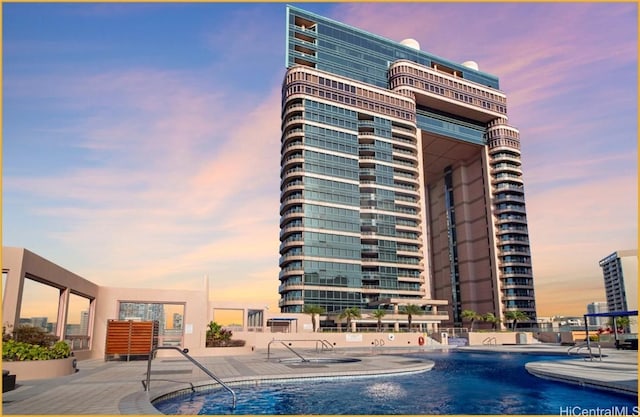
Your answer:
<point x="282" y="321"/>
<point x="613" y="314"/>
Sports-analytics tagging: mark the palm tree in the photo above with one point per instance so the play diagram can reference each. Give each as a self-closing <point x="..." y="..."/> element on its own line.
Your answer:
<point x="379" y="314"/>
<point x="410" y="310"/>
<point x="491" y="318"/>
<point x="350" y="313"/>
<point x="515" y="316"/>
<point x="313" y="310"/>
<point x="472" y="316"/>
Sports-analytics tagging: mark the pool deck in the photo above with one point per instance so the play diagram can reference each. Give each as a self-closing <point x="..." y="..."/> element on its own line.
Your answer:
<point x="115" y="387"/>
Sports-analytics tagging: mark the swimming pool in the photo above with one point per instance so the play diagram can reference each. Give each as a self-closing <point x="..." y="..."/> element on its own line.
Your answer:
<point x="459" y="383"/>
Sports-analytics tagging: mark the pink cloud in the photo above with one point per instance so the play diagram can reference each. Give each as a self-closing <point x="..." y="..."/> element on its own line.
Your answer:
<point x="552" y="299"/>
<point x="600" y="214"/>
<point x="556" y="49"/>
<point x="571" y="228"/>
<point x="568" y="169"/>
<point x="186" y="181"/>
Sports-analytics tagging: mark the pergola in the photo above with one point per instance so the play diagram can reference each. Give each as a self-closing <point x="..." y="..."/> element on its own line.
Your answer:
<point x="282" y="321"/>
<point x="613" y="314"/>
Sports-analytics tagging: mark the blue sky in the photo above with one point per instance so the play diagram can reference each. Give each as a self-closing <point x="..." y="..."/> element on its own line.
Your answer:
<point x="141" y="141"/>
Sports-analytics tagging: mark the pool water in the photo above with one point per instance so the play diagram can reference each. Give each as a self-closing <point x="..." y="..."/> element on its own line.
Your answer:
<point x="459" y="383"/>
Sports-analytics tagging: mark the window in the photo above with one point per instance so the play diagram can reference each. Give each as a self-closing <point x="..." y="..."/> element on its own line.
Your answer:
<point x="170" y="318"/>
<point x="39" y="306"/>
<point x="229" y="317"/>
<point x="77" y="329"/>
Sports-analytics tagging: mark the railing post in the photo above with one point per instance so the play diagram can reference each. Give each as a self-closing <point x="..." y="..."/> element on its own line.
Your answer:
<point x="600" y="352"/>
<point x="148" y="380"/>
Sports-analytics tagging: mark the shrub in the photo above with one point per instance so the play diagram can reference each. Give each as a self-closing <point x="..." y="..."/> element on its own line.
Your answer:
<point x="60" y="350"/>
<point x="34" y="335"/>
<point x="217" y="333"/>
<point x="30" y="343"/>
<point x="13" y="350"/>
<point x="217" y="336"/>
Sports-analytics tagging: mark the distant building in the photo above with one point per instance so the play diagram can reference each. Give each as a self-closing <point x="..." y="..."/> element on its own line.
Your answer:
<point x="544" y="323"/>
<point x="571" y="321"/>
<point x="620" y="273"/>
<point x="39" y="322"/>
<point x="143" y="311"/>
<point x="177" y="321"/>
<point x="594" y="308"/>
<point x="72" y="329"/>
<point x="560" y="323"/>
<point x="84" y="322"/>
<point x="567" y="323"/>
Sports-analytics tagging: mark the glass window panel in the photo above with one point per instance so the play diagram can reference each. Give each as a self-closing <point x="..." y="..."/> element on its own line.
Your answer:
<point x="77" y="330"/>
<point x="78" y="315"/>
<point x="39" y="306"/>
<point x="169" y="316"/>
<point x="229" y="317"/>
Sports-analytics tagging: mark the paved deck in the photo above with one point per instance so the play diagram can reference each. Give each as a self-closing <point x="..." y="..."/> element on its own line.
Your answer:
<point x="101" y="387"/>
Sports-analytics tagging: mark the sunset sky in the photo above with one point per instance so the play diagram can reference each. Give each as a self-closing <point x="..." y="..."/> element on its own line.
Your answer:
<point x="141" y="141"/>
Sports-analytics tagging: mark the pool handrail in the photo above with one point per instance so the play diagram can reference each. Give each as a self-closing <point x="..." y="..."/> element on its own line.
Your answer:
<point x="587" y="345"/>
<point x="490" y="341"/>
<point x="325" y="344"/>
<point x="185" y="353"/>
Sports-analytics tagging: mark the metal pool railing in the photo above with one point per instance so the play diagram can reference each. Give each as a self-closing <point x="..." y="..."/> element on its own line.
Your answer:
<point x="588" y="347"/>
<point x="185" y="353"/>
<point x="490" y="341"/>
<point x="321" y="344"/>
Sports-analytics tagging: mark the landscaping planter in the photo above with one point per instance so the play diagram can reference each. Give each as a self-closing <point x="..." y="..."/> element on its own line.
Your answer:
<point x="26" y="370"/>
<point x="225" y="343"/>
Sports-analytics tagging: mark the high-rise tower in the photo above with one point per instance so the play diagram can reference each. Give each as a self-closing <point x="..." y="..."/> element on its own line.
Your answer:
<point x="400" y="178"/>
<point x="620" y="273"/>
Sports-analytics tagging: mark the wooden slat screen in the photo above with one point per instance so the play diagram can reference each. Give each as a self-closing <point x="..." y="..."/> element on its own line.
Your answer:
<point x="128" y="337"/>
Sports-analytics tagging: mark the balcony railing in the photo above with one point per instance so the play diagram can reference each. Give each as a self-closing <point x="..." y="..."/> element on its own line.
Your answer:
<point x="77" y="342"/>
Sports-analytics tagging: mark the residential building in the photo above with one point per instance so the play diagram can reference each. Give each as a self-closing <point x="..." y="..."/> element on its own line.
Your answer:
<point x="401" y="179"/>
<point x="595" y="308"/>
<point x="620" y="273"/>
